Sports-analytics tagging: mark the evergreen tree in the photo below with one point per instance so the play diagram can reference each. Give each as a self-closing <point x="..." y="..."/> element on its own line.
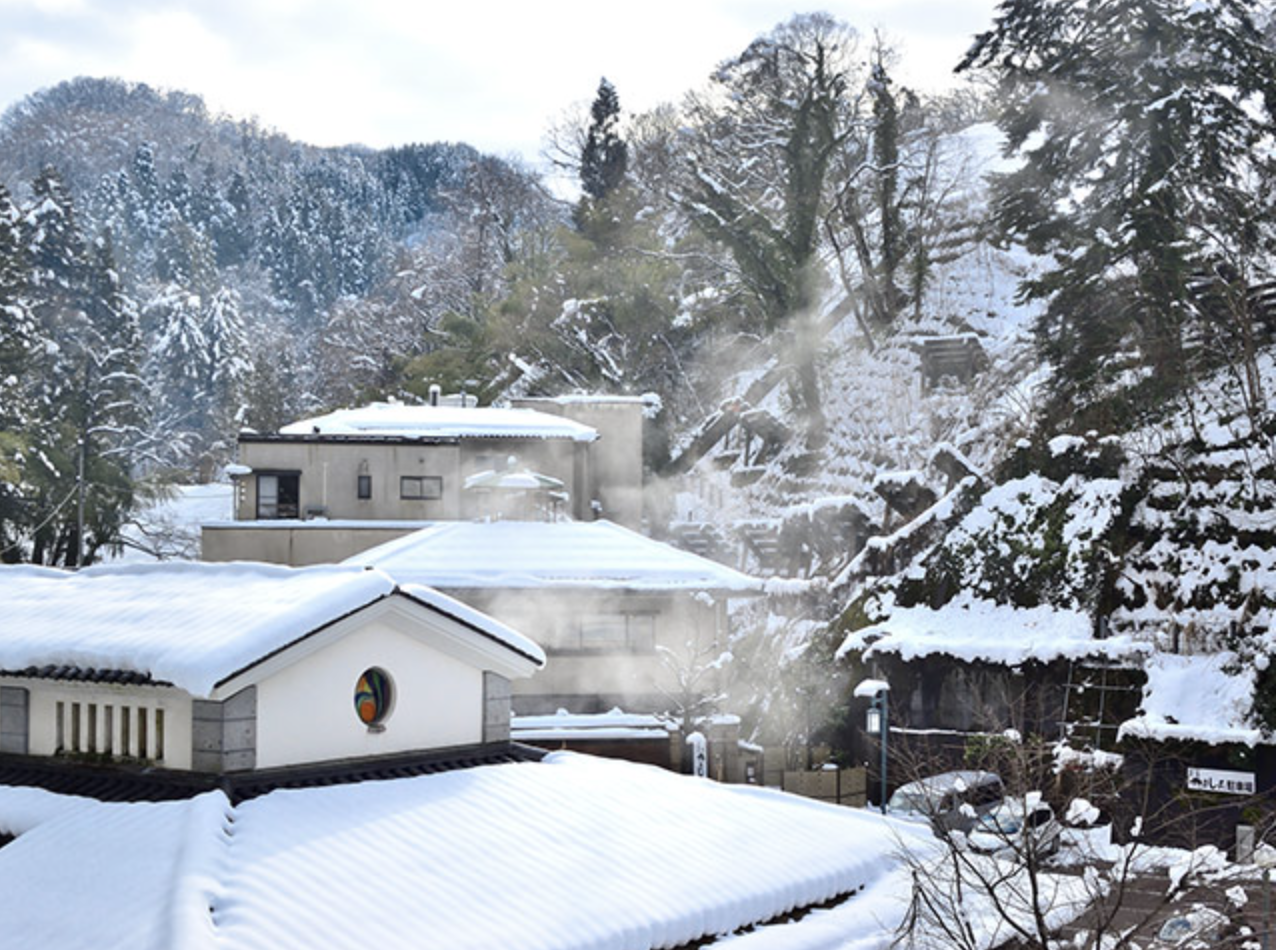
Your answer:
<point x="226" y="361"/>
<point x="1146" y="132"/>
<point x="886" y="161"/>
<point x="16" y="325"/>
<point x="604" y="157"/>
<point x="17" y="331"/>
<point x="81" y="385"/>
<point x="177" y="193"/>
<point x="761" y="153"/>
<point x="54" y="243"/>
<point x="107" y="412"/>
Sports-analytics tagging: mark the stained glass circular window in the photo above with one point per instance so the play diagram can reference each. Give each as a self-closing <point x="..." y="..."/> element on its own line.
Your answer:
<point x="372" y="696"/>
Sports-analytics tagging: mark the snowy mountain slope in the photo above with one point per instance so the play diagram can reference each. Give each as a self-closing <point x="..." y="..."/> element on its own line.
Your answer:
<point x="1165" y="535"/>
<point x="879" y="418"/>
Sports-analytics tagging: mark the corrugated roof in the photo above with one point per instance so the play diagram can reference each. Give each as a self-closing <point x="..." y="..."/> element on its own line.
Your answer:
<point x="567" y="853"/>
<point x="125" y="782"/>
<point x="463" y="555"/>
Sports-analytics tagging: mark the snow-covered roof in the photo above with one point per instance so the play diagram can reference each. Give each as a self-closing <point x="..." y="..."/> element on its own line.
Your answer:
<point x="570" y="852"/>
<point x="397" y="421"/>
<point x="1196" y="698"/>
<point x="594" y="399"/>
<point x="564" y="726"/>
<point x="978" y="630"/>
<point x="192" y="624"/>
<point x="539" y="554"/>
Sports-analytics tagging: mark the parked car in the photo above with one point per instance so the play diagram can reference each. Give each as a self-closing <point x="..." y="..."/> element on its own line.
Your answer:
<point x="1018" y="827"/>
<point x="950" y="801"/>
<point x="1199" y="927"/>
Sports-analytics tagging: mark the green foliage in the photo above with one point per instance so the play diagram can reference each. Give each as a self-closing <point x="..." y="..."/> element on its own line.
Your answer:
<point x="1146" y="132"/>
<point x="597" y="314"/>
<point x="986" y="751"/>
<point x="1033" y="541"/>
<point x="69" y="354"/>
<point x="604" y="156"/>
<point x="886" y="134"/>
<point x="784" y="102"/>
<point x="465" y="359"/>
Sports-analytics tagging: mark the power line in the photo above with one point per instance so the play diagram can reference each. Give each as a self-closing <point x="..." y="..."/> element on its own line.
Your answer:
<point x="53" y="514"/>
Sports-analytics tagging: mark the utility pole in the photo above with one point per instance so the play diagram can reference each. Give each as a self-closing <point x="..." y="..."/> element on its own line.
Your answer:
<point x="79" y="478"/>
<point x="79" y="505"/>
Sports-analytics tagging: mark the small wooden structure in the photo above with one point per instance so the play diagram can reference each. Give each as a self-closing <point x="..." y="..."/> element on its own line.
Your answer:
<point x="959" y="357"/>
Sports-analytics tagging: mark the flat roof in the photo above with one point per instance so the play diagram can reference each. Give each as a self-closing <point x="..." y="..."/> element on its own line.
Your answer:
<point x="465" y="555"/>
<point x="386" y="420"/>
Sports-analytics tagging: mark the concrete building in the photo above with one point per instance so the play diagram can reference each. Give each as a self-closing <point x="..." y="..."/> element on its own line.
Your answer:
<point x="323" y="489"/>
<point x="620" y="616"/>
<point x="617" y="460"/>
<point x="388" y="461"/>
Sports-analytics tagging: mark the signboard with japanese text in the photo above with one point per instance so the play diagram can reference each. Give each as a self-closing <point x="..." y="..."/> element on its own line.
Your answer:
<point x="1221" y="781"/>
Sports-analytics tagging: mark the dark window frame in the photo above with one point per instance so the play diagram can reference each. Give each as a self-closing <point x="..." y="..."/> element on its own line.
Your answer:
<point x="363" y="487"/>
<point x="422" y="493"/>
<point x="638" y="633"/>
<point x="287" y="506"/>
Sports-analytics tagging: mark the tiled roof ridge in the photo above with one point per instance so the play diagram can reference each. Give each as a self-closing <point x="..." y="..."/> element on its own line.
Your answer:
<point x="136" y="782"/>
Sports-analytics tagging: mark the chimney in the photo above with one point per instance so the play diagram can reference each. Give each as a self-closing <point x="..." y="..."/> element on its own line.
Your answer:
<point x="435" y="392"/>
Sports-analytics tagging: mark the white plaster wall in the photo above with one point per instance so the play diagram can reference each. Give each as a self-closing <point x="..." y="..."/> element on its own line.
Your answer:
<point x="305" y="712"/>
<point x="44" y="695"/>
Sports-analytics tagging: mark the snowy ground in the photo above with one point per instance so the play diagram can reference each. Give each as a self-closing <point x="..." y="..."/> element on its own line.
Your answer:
<point x="169" y="529"/>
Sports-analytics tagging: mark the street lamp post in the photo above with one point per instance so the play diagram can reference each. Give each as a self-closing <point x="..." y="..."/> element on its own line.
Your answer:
<point x="878" y="720"/>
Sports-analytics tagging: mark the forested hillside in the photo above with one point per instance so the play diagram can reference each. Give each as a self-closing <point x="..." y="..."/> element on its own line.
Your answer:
<point x="170" y="276"/>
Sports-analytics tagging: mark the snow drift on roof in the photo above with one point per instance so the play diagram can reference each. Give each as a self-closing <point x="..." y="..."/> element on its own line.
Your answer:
<point x="538" y="554"/>
<point x="571" y="852"/>
<point x="973" y="630"/>
<point x="564" y="726"/>
<point x="476" y="619"/>
<point x="394" y="420"/>
<point x="189" y="624"/>
<point x="1196" y="698"/>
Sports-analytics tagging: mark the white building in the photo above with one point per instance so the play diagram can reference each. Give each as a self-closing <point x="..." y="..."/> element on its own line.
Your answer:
<point x="233" y="668"/>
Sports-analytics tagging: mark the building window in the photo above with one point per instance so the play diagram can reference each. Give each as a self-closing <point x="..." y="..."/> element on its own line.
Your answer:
<point x="603" y="632"/>
<point x="365" y="487"/>
<point x="421" y="487"/>
<point x="373" y="698"/>
<point x="106" y="729"/>
<point x="630" y="633"/>
<point x="278" y="496"/>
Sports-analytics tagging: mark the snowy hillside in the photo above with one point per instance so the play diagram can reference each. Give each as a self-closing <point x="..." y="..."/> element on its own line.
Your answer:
<point x="1163" y="536"/>
<point x="881" y="422"/>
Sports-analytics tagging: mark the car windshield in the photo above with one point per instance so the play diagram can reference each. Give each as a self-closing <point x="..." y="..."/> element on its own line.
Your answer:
<point x="1195" y="924"/>
<point x="1004" y="821"/>
<point x="911" y="800"/>
<point x="1176" y="928"/>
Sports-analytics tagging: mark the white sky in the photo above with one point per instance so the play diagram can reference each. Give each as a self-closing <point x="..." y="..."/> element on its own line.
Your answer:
<point x="493" y="73"/>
